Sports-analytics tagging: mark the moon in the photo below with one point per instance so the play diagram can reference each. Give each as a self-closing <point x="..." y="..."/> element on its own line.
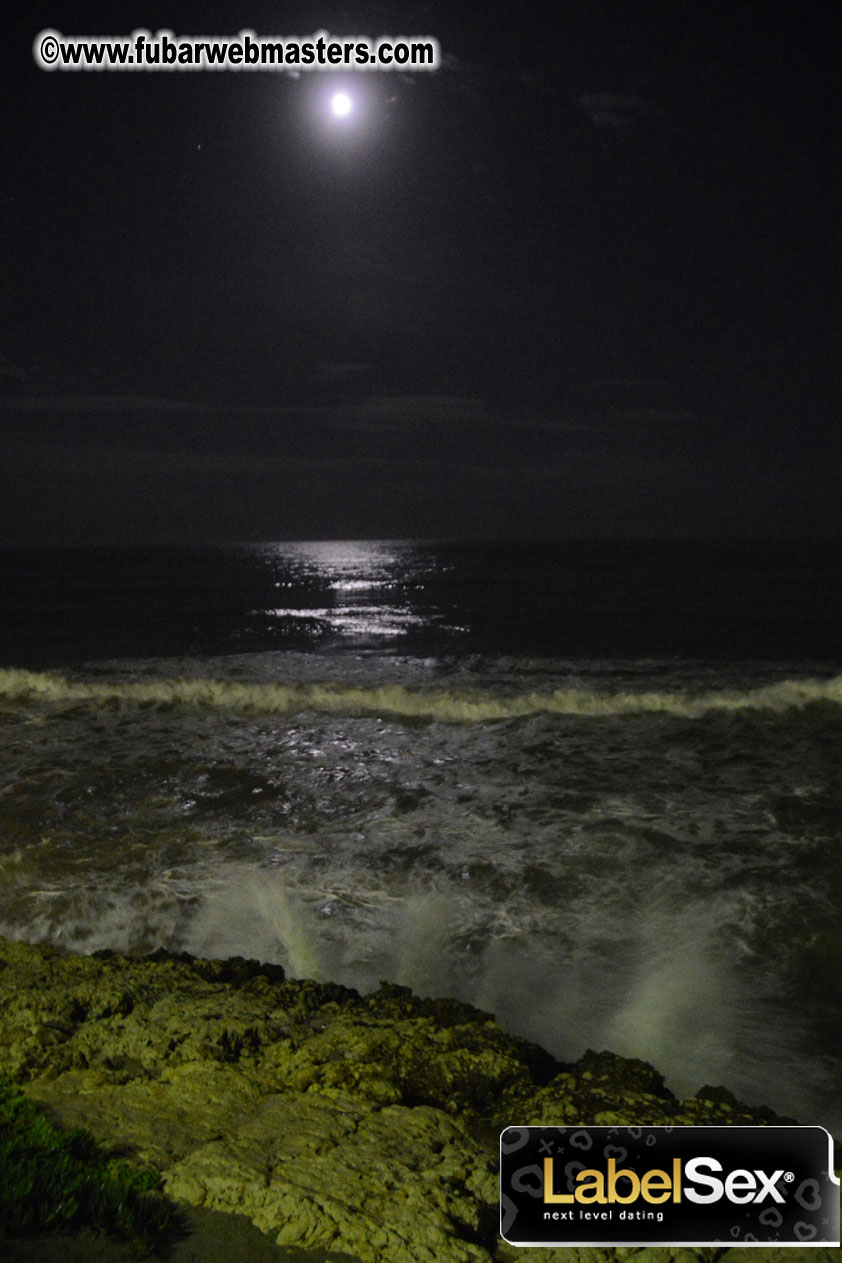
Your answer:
<point x="341" y="104"/>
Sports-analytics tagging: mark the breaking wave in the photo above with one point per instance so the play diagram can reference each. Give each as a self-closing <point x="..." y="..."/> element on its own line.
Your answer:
<point x="396" y="701"/>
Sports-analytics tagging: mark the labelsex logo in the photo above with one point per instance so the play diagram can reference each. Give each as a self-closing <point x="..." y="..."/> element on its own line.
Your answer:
<point x="655" y="1186"/>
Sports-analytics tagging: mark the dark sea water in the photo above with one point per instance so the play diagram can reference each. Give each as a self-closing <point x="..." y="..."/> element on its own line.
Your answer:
<point x="593" y="787"/>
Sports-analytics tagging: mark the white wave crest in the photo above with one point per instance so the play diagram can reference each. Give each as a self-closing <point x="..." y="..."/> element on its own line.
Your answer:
<point x="396" y="701"/>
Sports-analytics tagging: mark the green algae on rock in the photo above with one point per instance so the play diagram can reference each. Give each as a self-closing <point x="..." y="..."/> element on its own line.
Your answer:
<point x="365" y="1126"/>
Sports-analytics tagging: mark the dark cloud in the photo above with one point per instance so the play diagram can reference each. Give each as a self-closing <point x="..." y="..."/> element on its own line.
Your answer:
<point x="89" y="404"/>
<point x="623" y="113"/>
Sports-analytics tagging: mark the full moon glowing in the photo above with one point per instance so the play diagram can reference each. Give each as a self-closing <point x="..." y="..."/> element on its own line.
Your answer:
<point x="340" y="104"/>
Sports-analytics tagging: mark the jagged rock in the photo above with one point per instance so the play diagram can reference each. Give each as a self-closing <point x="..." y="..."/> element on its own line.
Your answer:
<point x="366" y="1127"/>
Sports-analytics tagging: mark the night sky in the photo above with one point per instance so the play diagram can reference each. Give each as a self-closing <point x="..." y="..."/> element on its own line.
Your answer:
<point x="578" y="282"/>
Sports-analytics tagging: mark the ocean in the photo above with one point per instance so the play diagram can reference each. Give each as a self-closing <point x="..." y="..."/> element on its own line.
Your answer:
<point x="594" y="787"/>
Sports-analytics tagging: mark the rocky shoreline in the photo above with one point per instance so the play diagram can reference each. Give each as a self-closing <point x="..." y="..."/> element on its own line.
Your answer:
<point x="343" y="1127"/>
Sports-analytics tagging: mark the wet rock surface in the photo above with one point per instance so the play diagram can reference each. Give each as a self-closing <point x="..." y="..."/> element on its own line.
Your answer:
<point x="342" y="1126"/>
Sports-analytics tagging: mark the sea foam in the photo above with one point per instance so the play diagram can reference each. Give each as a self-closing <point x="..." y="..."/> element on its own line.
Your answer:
<point x="396" y="701"/>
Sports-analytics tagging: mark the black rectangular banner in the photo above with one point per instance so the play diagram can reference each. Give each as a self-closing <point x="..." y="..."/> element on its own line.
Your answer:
<point x="651" y="1186"/>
